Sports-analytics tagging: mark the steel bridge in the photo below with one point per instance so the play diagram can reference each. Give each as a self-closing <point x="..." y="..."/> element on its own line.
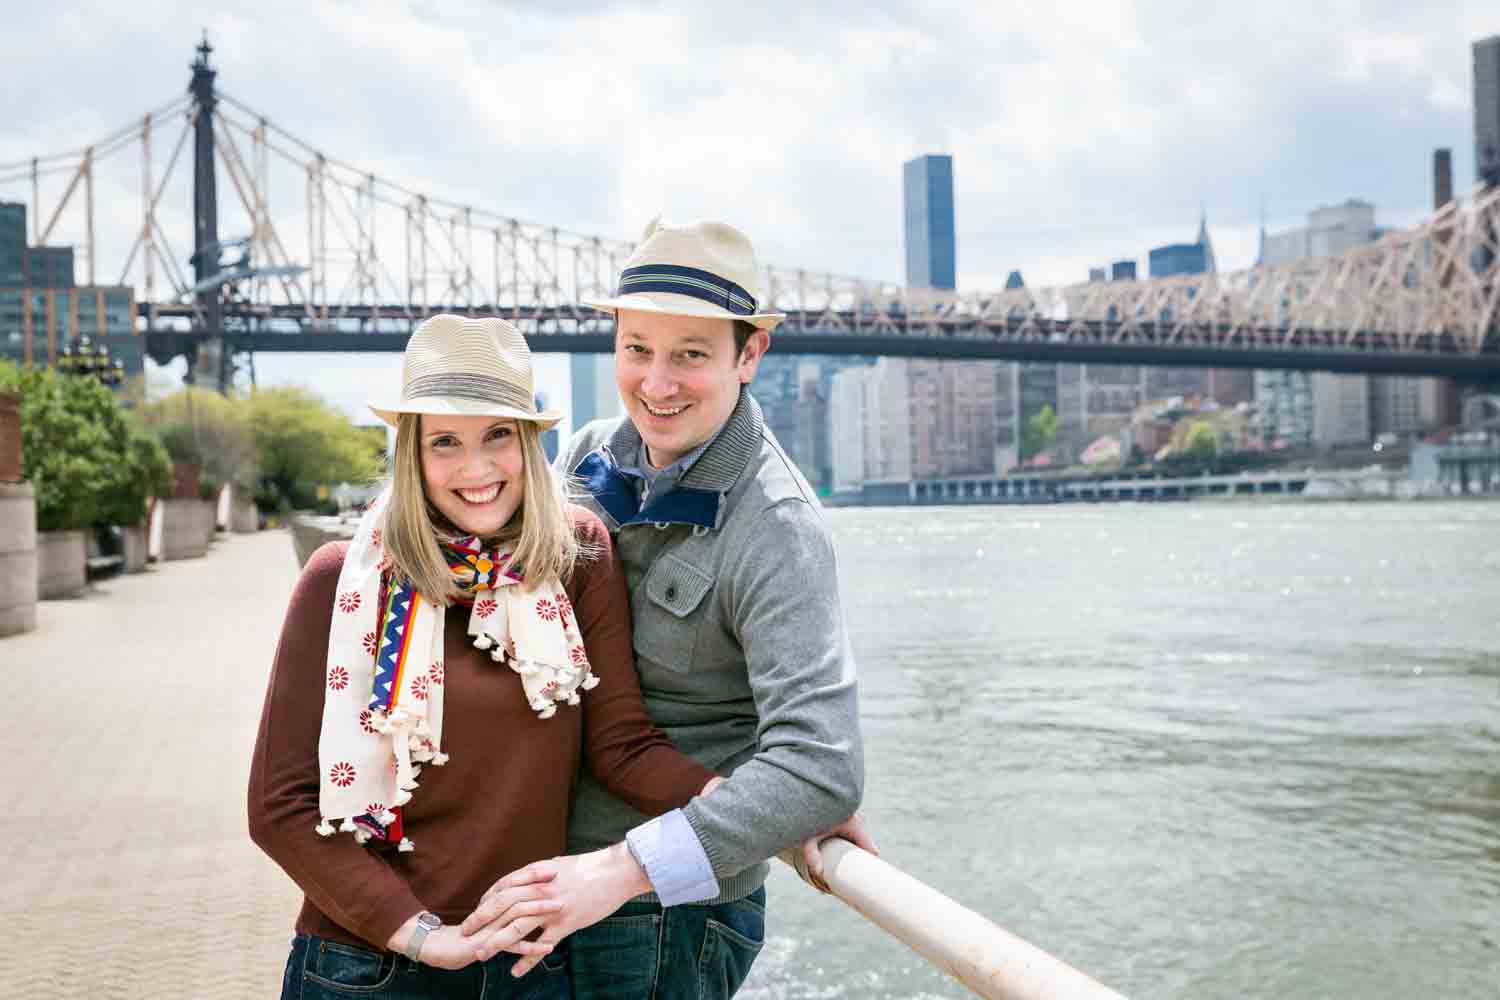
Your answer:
<point x="344" y="260"/>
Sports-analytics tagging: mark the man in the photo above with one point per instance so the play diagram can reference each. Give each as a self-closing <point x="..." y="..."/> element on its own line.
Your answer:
<point x="739" y="638"/>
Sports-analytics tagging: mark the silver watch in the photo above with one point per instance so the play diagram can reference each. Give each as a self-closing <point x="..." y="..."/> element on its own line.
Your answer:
<point x="426" y="924"/>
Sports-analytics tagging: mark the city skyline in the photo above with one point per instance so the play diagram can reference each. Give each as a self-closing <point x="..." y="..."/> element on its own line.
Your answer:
<point x="1360" y="123"/>
<point x="1134" y="121"/>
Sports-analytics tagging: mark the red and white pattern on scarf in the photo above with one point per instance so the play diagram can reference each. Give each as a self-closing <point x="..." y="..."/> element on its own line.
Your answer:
<point x="372" y="755"/>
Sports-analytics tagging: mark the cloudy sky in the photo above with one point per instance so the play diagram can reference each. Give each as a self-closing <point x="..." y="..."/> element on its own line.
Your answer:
<point x="1081" y="132"/>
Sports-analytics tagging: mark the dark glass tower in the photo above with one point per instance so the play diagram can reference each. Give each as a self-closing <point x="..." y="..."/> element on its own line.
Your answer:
<point x="1487" y="109"/>
<point x="931" y="254"/>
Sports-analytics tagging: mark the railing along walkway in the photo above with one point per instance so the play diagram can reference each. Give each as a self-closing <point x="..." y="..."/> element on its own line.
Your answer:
<point x="981" y="955"/>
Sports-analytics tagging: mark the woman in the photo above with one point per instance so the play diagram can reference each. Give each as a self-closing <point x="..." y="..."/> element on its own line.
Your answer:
<point x="439" y="681"/>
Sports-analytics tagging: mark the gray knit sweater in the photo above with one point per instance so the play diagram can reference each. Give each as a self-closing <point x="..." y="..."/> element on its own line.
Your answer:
<point x="740" y="642"/>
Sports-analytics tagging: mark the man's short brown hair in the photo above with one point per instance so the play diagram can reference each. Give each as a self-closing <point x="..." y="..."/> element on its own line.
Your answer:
<point x="743" y="330"/>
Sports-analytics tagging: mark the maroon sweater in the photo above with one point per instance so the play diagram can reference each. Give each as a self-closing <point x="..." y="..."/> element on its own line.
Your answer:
<point x="502" y="799"/>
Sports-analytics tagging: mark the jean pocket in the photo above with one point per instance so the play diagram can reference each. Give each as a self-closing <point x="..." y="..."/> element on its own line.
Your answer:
<point x="617" y="957"/>
<point x="726" y="957"/>
<point x="344" y="970"/>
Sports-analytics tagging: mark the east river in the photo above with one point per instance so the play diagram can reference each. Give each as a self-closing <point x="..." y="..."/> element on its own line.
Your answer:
<point x="1196" y="750"/>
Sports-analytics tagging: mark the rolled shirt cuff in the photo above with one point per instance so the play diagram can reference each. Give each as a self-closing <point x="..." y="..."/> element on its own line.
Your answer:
<point x="668" y="850"/>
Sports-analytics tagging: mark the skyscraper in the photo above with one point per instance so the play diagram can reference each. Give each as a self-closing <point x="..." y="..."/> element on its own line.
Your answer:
<point x="887" y="417"/>
<point x="1196" y="257"/>
<point x="1322" y="408"/>
<point x="1210" y="264"/>
<point x="847" y="427"/>
<point x="49" y="267"/>
<point x="550" y="437"/>
<point x="931" y="254"/>
<point x="1442" y="178"/>
<point x="1165" y="262"/>
<point x="1178" y="258"/>
<point x="12" y="243"/>
<point x="1487" y="109"/>
<point x="595" y="396"/>
<point x="43" y="313"/>
<point x="794" y="392"/>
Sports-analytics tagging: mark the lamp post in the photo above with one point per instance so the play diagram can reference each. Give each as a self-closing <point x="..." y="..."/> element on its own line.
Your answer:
<point x="93" y="361"/>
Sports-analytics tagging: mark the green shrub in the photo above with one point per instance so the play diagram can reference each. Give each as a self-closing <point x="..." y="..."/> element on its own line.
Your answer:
<point x="150" y="476"/>
<point x="1202" y="441"/>
<point x="213" y="432"/>
<point x="78" y="451"/>
<point x="302" y="442"/>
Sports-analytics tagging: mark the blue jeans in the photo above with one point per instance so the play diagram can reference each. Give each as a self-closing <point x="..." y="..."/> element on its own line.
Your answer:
<point x="645" y="951"/>
<point x="320" y="969"/>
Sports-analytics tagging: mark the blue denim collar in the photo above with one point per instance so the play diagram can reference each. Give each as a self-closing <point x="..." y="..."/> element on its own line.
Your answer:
<point x="615" y="491"/>
<point x="697" y="498"/>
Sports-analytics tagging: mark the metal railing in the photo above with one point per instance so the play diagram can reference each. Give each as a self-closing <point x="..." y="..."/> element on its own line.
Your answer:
<point x="981" y="955"/>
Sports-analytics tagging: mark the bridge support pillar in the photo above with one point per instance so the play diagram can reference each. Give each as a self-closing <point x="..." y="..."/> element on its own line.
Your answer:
<point x="210" y="367"/>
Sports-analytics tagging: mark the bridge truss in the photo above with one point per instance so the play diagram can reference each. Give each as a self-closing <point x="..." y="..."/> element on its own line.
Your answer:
<point x="335" y="257"/>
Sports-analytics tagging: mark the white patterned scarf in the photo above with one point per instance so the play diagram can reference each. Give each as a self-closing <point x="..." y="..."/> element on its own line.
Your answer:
<point x="383" y="707"/>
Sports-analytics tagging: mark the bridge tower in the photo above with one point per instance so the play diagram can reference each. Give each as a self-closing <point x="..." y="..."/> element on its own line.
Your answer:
<point x="208" y="365"/>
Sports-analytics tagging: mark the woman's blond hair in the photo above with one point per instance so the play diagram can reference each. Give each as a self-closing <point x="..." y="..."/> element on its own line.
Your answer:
<point x="545" y="547"/>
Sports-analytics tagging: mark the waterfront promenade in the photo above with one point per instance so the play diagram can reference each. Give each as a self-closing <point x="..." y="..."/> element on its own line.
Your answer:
<point x="129" y="722"/>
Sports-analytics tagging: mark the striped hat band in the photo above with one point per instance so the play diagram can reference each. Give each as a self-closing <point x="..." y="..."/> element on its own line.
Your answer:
<point x="690" y="281"/>
<point x="482" y="388"/>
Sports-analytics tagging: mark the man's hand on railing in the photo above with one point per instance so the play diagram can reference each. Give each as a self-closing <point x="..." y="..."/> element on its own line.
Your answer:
<point x="808" y="860"/>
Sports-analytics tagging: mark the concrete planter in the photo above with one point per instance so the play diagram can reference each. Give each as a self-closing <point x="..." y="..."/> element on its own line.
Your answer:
<point x="206" y="518"/>
<point x="153" y="529"/>
<point x="61" y="564"/>
<point x="18" y="572"/>
<point x="10" y="437"/>
<point x="134" y="538"/>
<point x="185" y="527"/>
<point x="244" y="518"/>
<point x="208" y="521"/>
<point x="311" y="531"/>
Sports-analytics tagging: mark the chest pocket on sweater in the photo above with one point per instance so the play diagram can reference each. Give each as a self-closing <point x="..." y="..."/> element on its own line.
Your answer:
<point x="668" y="622"/>
<point x="677" y="585"/>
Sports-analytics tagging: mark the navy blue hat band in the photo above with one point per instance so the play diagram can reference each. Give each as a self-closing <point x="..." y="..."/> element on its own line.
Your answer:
<point x="689" y="281"/>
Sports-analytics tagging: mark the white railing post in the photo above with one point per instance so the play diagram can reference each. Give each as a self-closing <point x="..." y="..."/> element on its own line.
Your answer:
<point x="983" y="956"/>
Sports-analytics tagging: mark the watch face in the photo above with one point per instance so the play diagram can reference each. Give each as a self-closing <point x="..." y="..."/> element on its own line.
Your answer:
<point x="431" y="921"/>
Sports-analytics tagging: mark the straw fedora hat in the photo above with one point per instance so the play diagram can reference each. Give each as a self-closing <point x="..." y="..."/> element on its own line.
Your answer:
<point x="699" y="269"/>
<point x="467" y="367"/>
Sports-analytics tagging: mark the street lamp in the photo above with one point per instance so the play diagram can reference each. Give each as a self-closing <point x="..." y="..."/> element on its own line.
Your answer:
<point x="92" y="361"/>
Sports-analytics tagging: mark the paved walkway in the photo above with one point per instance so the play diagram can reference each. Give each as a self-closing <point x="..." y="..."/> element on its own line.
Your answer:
<point x="128" y="869"/>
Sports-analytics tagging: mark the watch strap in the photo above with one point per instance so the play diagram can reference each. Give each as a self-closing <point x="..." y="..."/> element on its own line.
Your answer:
<point x="426" y="924"/>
